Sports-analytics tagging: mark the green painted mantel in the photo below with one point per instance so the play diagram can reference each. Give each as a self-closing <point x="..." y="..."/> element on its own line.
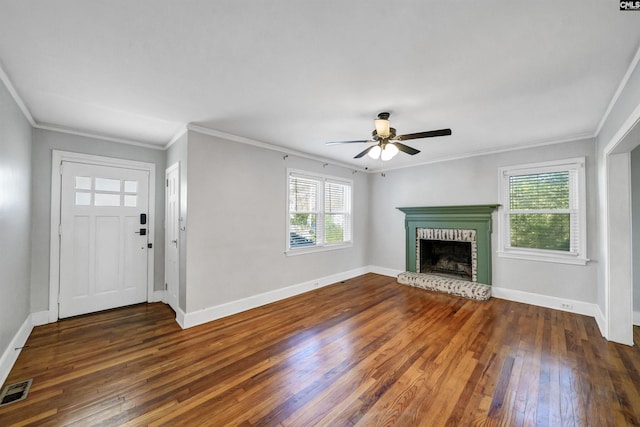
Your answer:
<point x="469" y="217"/>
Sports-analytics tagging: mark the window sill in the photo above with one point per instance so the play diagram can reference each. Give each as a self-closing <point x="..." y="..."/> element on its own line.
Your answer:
<point x="313" y="249"/>
<point x="544" y="257"/>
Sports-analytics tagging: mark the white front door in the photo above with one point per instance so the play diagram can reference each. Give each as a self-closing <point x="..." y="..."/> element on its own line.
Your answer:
<point x="103" y="237"/>
<point x="172" y="234"/>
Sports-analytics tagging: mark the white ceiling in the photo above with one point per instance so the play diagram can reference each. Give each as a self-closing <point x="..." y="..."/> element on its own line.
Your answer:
<point x="299" y="73"/>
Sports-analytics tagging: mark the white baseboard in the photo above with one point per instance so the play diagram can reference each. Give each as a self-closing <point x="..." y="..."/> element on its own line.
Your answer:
<point x="572" y="306"/>
<point x="158" y="296"/>
<point x="384" y="271"/>
<point x="194" y="318"/>
<point x="40" y="318"/>
<point x="601" y="321"/>
<point x="636" y="318"/>
<point x="12" y="352"/>
<point x="180" y="315"/>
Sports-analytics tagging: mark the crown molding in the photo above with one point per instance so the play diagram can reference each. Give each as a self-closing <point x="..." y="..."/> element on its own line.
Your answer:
<point x="618" y="92"/>
<point x="179" y="134"/>
<point x="241" y="139"/>
<point x="93" y="135"/>
<point x="14" y="94"/>
<point x="490" y="151"/>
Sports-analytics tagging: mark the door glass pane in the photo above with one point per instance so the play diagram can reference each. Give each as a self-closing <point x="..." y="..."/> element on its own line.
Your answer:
<point x="130" y="187"/>
<point x="130" y="200"/>
<point x="103" y="199"/>
<point x="83" y="199"/>
<point x="83" y="182"/>
<point x="105" y="184"/>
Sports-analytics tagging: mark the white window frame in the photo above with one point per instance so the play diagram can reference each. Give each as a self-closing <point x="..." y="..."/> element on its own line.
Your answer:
<point x="320" y="245"/>
<point x="577" y="194"/>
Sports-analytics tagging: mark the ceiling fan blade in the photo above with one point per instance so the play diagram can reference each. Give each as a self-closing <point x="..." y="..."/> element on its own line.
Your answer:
<point x="406" y="148"/>
<point x="347" y="142"/>
<point x="364" y="153"/>
<point x="428" y="134"/>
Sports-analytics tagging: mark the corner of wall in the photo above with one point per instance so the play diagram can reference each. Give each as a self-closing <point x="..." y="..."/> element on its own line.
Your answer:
<point x="11" y="353"/>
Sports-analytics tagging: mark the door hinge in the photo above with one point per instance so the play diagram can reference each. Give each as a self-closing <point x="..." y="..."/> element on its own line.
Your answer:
<point x="167" y="183"/>
<point x="60" y="230"/>
<point x="166" y="286"/>
<point x="61" y="167"/>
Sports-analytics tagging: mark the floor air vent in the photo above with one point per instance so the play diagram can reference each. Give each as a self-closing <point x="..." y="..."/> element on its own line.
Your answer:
<point x="15" y="392"/>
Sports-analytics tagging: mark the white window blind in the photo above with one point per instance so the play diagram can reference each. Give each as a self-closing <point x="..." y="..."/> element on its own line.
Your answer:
<point x="319" y="211"/>
<point x="337" y="220"/>
<point x="544" y="211"/>
<point x="303" y="211"/>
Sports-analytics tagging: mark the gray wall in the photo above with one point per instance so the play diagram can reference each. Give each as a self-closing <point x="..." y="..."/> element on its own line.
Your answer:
<point x="44" y="142"/>
<point x="15" y="217"/>
<point x="177" y="153"/>
<point x="237" y="223"/>
<point x="635" y="208"/>
<point x="475" y="181"/>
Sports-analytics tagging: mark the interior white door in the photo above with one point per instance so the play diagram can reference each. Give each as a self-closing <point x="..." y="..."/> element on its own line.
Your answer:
<point x="103" y="238"/>
<point x="172" y="234"/>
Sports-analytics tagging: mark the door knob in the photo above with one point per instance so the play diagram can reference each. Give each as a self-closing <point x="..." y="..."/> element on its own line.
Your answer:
<point x="175" y="242"/>
<point x="142" y="232"/>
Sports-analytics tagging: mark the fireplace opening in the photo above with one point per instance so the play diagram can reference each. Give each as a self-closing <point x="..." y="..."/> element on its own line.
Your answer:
<point x="446" y="258"/>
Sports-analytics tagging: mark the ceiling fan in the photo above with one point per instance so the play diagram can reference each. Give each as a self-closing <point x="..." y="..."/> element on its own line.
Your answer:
<point x="388" y="143"/>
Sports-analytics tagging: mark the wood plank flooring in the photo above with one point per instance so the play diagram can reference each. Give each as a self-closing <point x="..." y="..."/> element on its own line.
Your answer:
<point x="363" y="352"/>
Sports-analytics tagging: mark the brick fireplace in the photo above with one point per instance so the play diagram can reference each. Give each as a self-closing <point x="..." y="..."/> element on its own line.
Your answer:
<point x="452" y="241"/>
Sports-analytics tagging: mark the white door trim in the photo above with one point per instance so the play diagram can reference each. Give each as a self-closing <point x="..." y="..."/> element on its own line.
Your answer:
<point x="170" y="169"/>
<point x="57" y="158"/>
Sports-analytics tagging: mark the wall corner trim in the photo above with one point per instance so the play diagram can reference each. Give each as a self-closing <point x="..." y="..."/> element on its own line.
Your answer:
<point x="180" y="315"/>
<point x="41" y="318"/>
<point x="384" y="271"/>
<point x="601" y="320"/>
<point x="158" y="296"/>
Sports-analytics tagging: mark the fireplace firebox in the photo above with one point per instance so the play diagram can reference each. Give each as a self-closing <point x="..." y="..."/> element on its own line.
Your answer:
<point x="446" y="258"/>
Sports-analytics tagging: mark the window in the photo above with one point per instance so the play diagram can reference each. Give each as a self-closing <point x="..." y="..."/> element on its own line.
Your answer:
<point x="105" y="192"/>
<point x="543" y="213"/>
<point x="318" y="213"/>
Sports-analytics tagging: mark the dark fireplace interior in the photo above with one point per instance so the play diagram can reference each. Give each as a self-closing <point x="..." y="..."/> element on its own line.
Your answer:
<point x="446" y="258"/>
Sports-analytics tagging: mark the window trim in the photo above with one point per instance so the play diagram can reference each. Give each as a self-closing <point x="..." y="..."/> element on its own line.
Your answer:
<point x="318" y="247"/>
<point x="505" y="250"/>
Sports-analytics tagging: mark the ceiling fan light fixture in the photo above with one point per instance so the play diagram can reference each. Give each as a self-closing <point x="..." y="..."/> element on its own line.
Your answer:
<point x="375" y="151"/>
<point x="382" y="128"/>
<point x="390" y="150"/>
<point x="388" y="143"/>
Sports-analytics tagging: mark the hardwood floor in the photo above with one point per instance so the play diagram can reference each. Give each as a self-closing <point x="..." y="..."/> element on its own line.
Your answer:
<point x="363" y="352"/>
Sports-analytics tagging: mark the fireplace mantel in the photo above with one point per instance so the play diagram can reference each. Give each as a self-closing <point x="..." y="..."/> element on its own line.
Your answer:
<point x="473" y="217"/>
